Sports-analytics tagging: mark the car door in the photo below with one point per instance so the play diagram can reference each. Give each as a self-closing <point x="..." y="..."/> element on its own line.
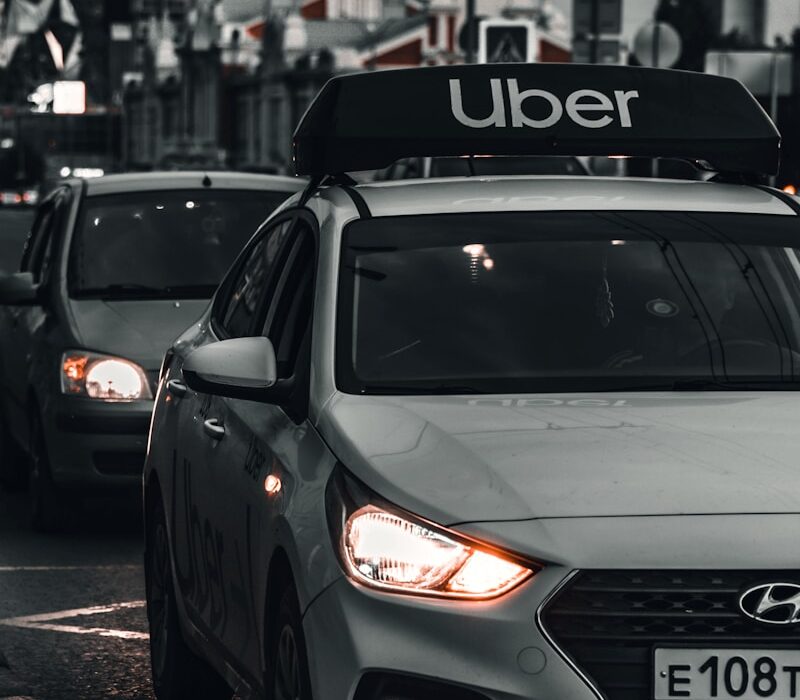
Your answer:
<point x="206" y="560"/>
<point x="261" y="441"/>
<point x="26" y="324"/>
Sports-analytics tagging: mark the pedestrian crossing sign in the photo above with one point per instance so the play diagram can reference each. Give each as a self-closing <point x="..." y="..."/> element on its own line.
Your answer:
<point x="507" y="41"/>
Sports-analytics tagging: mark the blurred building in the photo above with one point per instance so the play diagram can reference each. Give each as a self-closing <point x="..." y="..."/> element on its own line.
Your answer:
<point x="222" y="83"/>
<point x="44" y="42"/>
<point x="761" y="21"/>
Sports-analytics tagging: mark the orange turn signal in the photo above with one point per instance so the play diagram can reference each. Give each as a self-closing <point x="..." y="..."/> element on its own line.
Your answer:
<point x="75" y="367"/>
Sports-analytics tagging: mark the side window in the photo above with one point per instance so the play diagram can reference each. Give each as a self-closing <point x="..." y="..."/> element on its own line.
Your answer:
<point x="253" y="282"/>
<point x="39" y="239"/>
<point x="50" y="246"/>
<point x="288" y="318"/>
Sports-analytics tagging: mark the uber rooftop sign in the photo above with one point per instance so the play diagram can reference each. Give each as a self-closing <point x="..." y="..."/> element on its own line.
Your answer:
<point x="369" y="120"/>
<point x="578" y="106"/>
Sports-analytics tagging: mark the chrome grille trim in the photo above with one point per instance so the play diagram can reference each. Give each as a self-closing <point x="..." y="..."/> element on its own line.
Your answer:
<point x="552" y="642"/>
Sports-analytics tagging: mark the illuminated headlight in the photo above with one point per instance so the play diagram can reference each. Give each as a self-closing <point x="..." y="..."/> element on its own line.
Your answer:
<point x="383" y="547"/>
<point x="102" y="377"/>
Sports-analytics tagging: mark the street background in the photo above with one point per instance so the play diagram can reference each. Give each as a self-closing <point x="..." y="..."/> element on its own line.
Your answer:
<point x="94" y="86"/>
<point x="89" y="87"/>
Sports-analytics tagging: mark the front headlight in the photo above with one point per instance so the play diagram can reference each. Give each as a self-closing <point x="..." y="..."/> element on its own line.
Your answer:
<point x="383" y="547"/>
<point x="103" y="377"/>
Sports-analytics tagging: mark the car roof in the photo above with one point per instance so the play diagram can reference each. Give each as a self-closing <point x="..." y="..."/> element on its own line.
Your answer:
<point x="572" y="193"/>
<point x="180" y="180"/>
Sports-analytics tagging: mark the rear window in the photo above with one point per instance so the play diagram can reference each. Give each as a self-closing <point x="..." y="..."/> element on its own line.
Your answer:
<point x="172" y="244"/>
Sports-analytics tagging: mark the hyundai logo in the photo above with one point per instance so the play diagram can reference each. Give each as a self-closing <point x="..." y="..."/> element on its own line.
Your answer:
<point x="772" y="603"/>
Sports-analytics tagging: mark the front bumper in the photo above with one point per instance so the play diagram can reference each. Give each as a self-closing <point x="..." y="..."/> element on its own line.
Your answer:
<point x="96" y="444"/>
<point x="493" y="649"/>
<point x="580" y="630"/>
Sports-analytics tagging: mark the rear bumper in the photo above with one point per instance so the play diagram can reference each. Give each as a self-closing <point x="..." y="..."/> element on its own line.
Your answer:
<point x="92" y="444"/>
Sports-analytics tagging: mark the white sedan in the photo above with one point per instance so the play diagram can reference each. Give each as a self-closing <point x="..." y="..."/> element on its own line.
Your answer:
<point x="490" y="438"/>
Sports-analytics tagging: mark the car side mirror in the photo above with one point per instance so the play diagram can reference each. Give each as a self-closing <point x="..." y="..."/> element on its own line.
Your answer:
<point x="239" y="368"/>
<point x="18" y="289"/>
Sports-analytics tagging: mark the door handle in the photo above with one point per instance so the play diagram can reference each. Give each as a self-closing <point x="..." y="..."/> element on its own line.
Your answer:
<point x="177" y="388"/>
<point x="214" y="428"/>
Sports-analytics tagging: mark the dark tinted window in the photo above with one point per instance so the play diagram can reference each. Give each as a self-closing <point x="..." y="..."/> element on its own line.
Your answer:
<point x="43" y="261"/>
<point x="168" y="244"/>
<point x="254" y="281"/>
<point x="47" y="231"/>
<point x="290" y="313"/>
<point x="39" y="241"/>
<point x="563" y="301"/>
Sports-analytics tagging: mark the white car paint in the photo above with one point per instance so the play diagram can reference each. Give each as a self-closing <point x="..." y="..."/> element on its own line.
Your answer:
<point x="623" y="481"/>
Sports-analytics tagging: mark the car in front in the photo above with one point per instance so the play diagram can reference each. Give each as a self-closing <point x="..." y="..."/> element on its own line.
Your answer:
<point x="114" y="269"/>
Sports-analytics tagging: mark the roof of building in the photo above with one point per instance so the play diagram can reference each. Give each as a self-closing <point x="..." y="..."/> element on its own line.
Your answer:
<point x="390" y="29"/>
<point x="329" y="33"/>
<point x="178" y="180"/>
<point x="543" y="193"/>
<point x="242" y="10"/>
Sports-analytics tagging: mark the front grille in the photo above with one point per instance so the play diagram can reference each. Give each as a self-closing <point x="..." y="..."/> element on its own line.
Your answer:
<point x="608" y="622"/>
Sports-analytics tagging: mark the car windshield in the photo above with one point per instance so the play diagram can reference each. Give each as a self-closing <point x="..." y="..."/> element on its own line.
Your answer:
<point x="569" y="301"/>
<point x="171" y="244"/>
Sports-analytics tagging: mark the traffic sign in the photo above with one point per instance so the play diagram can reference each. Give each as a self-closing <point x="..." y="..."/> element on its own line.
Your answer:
<point x="507" y="41"/>
<point x="657" y="45"/>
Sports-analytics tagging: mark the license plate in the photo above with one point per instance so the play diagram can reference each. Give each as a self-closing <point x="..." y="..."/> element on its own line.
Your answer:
<point x="726" y="674"/>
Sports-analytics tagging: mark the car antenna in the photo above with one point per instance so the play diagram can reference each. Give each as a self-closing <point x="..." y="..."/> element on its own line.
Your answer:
<point x="207" y="181"/>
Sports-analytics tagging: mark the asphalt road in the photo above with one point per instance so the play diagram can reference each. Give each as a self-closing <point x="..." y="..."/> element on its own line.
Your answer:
<point x="14" y="227"/>
<point x="72" y="617"/>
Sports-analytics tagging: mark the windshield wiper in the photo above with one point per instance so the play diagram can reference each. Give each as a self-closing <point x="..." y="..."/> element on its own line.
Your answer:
<point x="132" y="289"/>
<point x="129" y="287"/>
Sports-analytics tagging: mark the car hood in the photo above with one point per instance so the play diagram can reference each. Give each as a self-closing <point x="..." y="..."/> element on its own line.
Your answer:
<point x="468" y="459"/>
<point x="140" y="330"/>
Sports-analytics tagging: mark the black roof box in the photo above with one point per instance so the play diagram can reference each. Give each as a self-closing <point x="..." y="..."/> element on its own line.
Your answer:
<point x="369" y="120"/>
